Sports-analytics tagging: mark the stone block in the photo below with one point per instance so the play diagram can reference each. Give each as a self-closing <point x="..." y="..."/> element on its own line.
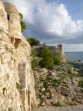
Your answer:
<point x="6" y="77"/>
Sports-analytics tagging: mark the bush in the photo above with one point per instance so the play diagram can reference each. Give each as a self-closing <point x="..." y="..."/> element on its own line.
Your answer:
<point x="80" y="83"/>
<point x="33" y="41"/>
<point x="47" y="58"/>
<point x="46" y="52"/>
<point x="21" y="15"/>
<point x="34" y="53"/>
<point x="35" y="59"/>
<point x="23" y="24"/>
<point x="57" y="60"/>
<point x="47" y="63"/>
<point x="35" y="62"/>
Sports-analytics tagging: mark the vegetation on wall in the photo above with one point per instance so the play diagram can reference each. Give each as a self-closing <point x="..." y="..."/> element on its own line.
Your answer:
<point x="23" y="24"/>
<point x="10" y="109"/>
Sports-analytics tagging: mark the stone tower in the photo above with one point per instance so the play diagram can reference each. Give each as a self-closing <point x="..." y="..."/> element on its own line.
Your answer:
<point x="14" y="27"/>
<point x="13" y="19"/>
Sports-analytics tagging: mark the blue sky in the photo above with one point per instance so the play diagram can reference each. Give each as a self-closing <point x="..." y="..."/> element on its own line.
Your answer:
<point x="74" y="7"/>
<point x="54" y="21"/>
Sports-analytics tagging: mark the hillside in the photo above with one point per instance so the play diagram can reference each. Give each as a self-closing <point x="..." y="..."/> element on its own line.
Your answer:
<point x="62" y="86"/>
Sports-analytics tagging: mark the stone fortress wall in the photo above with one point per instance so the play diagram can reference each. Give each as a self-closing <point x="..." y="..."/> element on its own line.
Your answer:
<point x="56" y="50"/>
<point x="17" y="92"/>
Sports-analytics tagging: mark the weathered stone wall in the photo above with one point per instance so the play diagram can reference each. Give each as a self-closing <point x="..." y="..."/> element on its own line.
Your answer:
<point x="3" y="18"/>
<point x="9" y="95"/>
<point x="17" y="91"/>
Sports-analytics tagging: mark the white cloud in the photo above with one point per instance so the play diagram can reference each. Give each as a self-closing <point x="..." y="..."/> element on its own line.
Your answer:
<point x="52" y="18"/>
<point x="73" y="47"/>
<point x="49" y="22"/>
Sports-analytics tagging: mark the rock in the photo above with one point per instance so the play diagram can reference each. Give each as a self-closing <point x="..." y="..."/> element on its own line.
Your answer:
<point x="44" y="70"/>
<point x="48" y="102"/>
<point x="61" y="85"/>
<point x="43" y="104"/>
<point x="43" y="89"/>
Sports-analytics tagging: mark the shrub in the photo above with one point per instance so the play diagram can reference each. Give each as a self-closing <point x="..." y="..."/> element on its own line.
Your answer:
<point x="33" y="41"/>
<point x="46" y="52"/>
<point x="23" y="24"/>
<point x="35" y="62"/>
<point x="21" y="15"/>
<point x="35" y="59"/>
<point x="47" y="63"/>
<point x="47" y="58"/>
<point x="80" y="83"/>
<point x="34" y="53"/>
<point x="57" y="60"/>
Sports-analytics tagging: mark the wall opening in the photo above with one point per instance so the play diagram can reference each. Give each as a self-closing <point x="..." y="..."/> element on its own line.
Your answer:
<point x="8" y="17"/>
<point x="17" y="42"/>
<point x="4" y="91"/>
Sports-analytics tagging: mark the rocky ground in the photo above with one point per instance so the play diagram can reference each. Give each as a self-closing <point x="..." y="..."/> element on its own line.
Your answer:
<point x="62" y="86"/>
<point x="52" y="108"/>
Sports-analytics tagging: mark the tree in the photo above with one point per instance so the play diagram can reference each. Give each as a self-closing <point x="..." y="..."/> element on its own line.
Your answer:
<point x="57" y="60"/>
<point x="23" y="24"/>
<point x="33" y="41"/>
<point x="46" y="52"/>
<point x="47" y="58"/>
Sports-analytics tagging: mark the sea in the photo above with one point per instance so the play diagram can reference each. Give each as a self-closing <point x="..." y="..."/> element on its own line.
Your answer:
<point x="74" y="56"/>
